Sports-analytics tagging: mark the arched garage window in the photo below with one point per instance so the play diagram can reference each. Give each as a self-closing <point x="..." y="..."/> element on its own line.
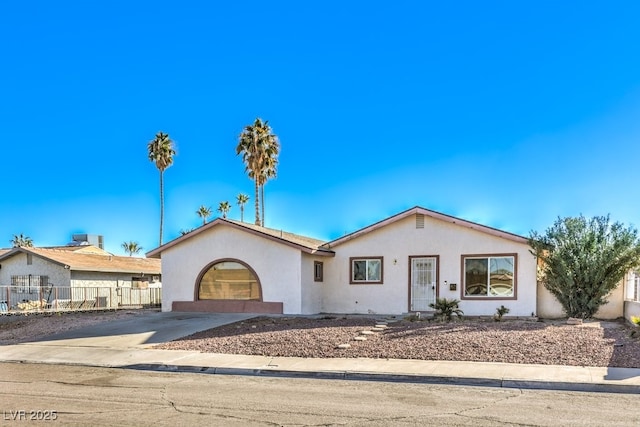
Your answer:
<point x="229" y="280"/>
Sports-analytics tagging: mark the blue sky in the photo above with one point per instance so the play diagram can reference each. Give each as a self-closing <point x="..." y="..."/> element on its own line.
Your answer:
<point x="505" y="113"/>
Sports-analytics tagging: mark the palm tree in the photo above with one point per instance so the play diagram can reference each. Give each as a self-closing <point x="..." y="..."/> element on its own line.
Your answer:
<point x="224" y="208"/>
<point x="241" y="199"/>
<point x="187" y="231"/>
<point x="269" y="172"/>
<point x="204" y="213"/>
<point x="21" y="241"/>
<point x="260" y="148"/>
<point x="131" y="247"/>
<point x="161" y="151"/>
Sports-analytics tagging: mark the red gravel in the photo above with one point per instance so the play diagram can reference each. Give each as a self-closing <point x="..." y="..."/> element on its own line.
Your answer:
<point x="511" y="341"/>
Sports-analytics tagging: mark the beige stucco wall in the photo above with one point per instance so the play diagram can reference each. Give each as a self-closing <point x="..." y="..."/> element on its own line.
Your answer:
<point x="277" y="265"/>
<point x="101" y="280"/>
<point x="312" y="291"/>
<point x="631" y="308"/>
<point x="396" y="242"/>
<point x="17" y="265"/>
<point x="550" y="308"/>
<point x="614" y="308"/>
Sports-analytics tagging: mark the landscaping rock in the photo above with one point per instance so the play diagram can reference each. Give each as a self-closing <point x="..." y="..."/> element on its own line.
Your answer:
<point x="509" y="341"/>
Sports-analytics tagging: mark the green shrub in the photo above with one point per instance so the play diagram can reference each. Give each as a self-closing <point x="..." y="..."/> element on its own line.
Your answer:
<point x="500" y="311"/>
<point x="413" y="317"/>
<point x="445" y="309"/>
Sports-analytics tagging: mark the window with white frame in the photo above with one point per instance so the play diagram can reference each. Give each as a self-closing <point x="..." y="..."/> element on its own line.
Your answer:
<point x="489" y="276"/>
<point x="365" y="270"/>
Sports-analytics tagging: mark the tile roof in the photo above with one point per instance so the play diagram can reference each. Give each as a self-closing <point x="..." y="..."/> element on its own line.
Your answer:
<point x="84" y="260"/>
<point x="86" y="249"/>
<point x="324" y="248"/>
<point x="304" y="243"/>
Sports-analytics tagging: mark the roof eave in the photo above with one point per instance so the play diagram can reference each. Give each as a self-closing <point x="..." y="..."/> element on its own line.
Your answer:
<point x="432" y="214"/>
<point x="26" y="250"/>
<point x="117" y="270"/>
<point x="157" y="253"/>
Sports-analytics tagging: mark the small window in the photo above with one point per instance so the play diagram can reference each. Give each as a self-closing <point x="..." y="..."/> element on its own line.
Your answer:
<point x="489" y="276"/>
<point x="140" y="282"/>
<point x="318" y="274"/>
<point x="366" y="270"/>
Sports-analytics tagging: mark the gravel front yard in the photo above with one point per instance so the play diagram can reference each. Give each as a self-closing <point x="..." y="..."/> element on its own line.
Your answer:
<point x="512" y="341"/>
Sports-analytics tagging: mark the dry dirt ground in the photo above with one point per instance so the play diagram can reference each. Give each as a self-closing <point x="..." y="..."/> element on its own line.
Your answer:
<point x="594" y="343"/>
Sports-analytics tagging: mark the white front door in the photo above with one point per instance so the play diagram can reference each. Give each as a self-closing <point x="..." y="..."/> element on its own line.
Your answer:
<point x="423" y="283"/>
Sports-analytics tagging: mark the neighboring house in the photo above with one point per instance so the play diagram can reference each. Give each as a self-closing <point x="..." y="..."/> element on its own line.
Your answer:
<point x="75" y="266"/>
<point x="632" y="295"/>
<point x="395" y="266"/>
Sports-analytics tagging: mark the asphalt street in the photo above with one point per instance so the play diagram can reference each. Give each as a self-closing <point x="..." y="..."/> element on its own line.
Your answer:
<point x="82" y="395"/>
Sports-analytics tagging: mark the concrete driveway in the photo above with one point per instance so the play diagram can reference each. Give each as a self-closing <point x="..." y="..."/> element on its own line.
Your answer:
<point x="141" y="331"/>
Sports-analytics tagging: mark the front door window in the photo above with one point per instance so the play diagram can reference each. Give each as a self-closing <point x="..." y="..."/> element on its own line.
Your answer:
<point x="423" y="283"/>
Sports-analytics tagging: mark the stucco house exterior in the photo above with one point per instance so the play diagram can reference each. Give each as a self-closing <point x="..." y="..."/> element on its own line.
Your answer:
<point x="52" y="274"/>
<point x="398" y="265"/>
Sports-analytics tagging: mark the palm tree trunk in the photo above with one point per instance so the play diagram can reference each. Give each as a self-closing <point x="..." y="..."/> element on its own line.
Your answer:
<point x="257" y="203"/>
<point x="161" y="206"/>
<point x="262" y="202"/>
<point x="241" y="213"/>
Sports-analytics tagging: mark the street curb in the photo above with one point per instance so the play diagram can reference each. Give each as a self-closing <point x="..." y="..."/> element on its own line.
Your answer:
<point x="399" y="378"/>
<point x="566" y="386"/>
<point x="364" y="376"/>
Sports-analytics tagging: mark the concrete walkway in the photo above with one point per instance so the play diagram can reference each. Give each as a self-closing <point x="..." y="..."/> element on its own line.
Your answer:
<point x="127" y="344"/>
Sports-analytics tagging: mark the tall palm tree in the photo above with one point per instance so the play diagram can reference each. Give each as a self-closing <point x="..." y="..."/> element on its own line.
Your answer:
<point x="269" y="172"/>
<point x="260" y="148"/>
<point x="204" y="213"/>
<point x="131" y="247"/>
<point x="161" y="151"/>
<point x="21" y="241"/>
<point x="224" y="208"/>
<point x="241" y="199"/>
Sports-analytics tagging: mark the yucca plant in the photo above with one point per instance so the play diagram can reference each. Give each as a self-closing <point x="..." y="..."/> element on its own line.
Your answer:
<point x="500" y="311"/>
<point x="445" y="308"/>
